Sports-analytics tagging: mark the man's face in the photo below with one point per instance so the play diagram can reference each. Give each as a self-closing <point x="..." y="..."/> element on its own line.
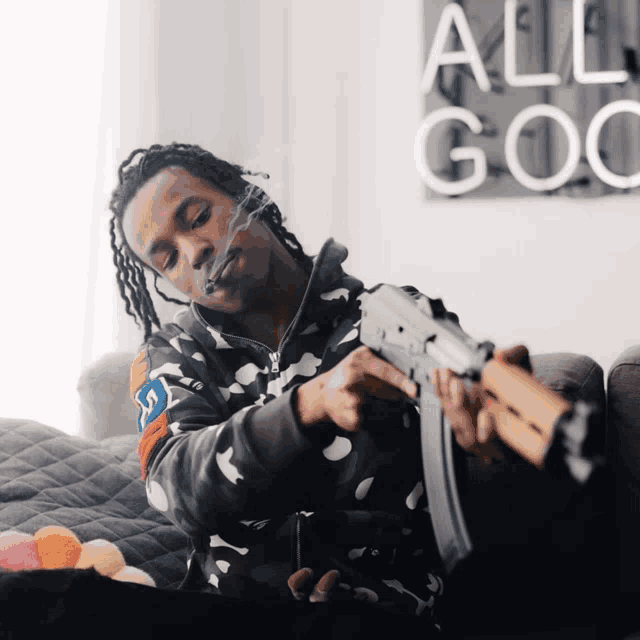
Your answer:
<point x="178" y="225"/>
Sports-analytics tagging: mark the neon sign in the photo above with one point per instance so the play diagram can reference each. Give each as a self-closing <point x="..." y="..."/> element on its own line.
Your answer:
<point x="453" y="15"/>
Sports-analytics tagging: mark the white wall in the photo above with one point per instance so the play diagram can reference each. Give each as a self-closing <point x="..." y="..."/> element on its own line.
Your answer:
<point x="52" y="80"/>
<point x="557" y="274"/>
<point x="325" y="98"/>
<point x="199" y="72"/>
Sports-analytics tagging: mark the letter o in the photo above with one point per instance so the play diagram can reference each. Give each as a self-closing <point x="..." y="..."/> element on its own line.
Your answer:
<point x="459" y="153"/>
<point x="591" y="143"/>
<point x="511" y="147"/>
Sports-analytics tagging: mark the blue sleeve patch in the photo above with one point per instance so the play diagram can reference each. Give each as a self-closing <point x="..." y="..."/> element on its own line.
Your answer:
<point x="153" y="398"/>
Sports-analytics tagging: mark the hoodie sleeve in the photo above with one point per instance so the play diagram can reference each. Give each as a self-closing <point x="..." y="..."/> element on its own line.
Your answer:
<point x="198" y="460"/>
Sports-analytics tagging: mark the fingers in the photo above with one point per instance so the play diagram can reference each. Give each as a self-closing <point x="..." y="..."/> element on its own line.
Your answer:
<point x="440" y="380"/>
<point x="458" y="404"/>
<point x="518" y="355"/>
<point x="370" y="364"/>
<point x="297" y="582"/>
<point x="485" y="426"/>
<point x="301" y="581"/>
<point x="348" y="415"/>
<point x="322" y="590"/>
<point x="344" y="389"/>
<point x="471" y="424"/>
<point x="451" y="392"/>
<point x="459" y="415"/>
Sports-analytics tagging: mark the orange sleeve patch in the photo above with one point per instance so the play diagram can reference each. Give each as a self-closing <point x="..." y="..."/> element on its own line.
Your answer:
<point x="155" y="432"/>
<point x="139" y="370"/>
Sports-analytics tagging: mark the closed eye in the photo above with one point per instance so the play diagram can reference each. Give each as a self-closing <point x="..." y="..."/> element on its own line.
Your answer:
<point x="171" y="261"/>
<point x="202" y="218"/>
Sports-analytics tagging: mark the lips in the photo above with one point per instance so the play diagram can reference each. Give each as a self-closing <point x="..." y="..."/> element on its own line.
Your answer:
<point x="214" y="277"/>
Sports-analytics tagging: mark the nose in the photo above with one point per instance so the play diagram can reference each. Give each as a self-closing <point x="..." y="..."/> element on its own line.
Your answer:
<point x="197" y="251"/>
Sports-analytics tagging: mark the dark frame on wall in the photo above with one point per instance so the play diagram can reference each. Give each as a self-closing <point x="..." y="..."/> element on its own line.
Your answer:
<point x="543" y="147"/>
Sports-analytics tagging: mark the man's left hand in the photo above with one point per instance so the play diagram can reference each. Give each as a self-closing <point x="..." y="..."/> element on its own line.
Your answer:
<point x="465" y="408"/>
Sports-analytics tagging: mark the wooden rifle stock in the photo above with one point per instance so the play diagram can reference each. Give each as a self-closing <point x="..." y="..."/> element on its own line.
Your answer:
<point x="524" y="410"/>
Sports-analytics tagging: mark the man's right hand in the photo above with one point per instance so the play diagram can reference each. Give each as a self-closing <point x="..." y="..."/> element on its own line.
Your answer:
<point x="338" y="394"/>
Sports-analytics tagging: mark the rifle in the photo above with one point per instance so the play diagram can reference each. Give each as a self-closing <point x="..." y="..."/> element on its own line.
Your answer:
<point x="416" y="337"/>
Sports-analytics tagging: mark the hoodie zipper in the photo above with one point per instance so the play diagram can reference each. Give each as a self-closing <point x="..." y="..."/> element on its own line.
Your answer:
<point x="275" y="356"/>
<point x="275" y="368"/>
<point x="298" y="547"/>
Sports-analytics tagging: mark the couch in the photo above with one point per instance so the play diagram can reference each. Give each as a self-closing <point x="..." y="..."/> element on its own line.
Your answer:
<point x="623" y="420"/>
<point x="91" y="484"/>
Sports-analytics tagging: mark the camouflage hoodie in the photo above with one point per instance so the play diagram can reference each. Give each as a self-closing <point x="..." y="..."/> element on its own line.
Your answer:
<point x="224" y="457"/>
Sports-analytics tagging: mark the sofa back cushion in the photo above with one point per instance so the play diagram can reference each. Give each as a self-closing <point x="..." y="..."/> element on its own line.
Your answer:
<point x="623" y="406"/>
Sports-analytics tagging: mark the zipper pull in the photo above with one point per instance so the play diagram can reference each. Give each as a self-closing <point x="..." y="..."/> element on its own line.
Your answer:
<point x="275" y="362"/>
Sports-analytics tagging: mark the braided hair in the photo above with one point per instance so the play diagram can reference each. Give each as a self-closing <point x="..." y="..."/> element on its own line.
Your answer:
<point x="226" y="177"/>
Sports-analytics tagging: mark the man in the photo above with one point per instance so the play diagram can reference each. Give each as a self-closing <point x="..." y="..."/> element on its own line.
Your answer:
<point x="284" y="448"/>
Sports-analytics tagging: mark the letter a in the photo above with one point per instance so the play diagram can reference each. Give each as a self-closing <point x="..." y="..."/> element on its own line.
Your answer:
<point x="470" y="55"/>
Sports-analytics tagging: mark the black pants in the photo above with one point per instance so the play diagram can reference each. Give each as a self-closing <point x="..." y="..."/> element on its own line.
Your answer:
<point x="74" y="603"/>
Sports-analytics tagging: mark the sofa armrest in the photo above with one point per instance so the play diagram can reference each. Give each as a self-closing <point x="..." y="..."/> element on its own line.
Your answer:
<point x="623" y="407"/>
<point x="577" y="377"/>
<point x="106" y="409"/>
<point x="623" y="416"/>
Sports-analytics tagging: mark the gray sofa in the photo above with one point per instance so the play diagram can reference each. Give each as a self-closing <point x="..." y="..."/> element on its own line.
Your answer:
<point x="623" y="420"/>
<point x="41" y="471"/>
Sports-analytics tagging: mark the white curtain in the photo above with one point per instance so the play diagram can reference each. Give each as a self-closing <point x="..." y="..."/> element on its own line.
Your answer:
<point x="54" y="57"/>
<point x="196" y="71"/>
<point x="285" y="87"/>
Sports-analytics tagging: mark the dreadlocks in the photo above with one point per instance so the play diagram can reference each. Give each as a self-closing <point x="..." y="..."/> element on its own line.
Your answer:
<point x="226" y="177"/>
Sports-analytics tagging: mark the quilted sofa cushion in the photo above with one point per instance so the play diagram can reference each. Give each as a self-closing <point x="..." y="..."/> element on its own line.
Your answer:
<point x="93" y="488"/>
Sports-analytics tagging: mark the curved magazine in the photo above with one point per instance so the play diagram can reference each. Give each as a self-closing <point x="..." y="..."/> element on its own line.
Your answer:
<point x="452" y="536"/>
